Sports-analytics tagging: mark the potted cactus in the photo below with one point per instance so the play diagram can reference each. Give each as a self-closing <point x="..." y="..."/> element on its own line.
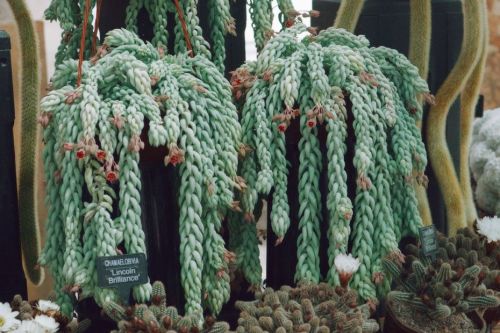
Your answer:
<point x="470" y="248"/>
<point x="307" y="308"/>
<point x="310" y="307"/>
<point x="435" y="297"/>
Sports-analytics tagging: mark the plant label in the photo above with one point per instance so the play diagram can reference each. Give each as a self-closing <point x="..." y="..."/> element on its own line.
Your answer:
<point x="428" y="241"/>
<point x="122" y="272"/>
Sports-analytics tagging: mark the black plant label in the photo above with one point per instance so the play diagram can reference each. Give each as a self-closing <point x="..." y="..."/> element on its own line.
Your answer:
<point x="428" y="241"/>
<point x="122" y="272"/>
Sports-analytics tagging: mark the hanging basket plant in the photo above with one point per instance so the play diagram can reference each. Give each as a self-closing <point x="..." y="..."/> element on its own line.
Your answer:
<point x="92" y="135"/>
<point x="306" y="80"/>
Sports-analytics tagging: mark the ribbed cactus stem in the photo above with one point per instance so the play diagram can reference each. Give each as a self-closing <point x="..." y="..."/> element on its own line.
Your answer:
<point x="114" y="311"/>
<point x="30" y="233"/>
<point x="440" y="312"/>
<point x="481" y="302"/>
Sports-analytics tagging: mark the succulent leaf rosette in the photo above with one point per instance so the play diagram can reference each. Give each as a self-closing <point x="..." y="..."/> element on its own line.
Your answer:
<point x="93" y="136"/>
<point x="308" y="79"/>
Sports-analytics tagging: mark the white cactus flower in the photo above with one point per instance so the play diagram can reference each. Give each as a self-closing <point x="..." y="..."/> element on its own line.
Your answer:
<point x="8" y="321"/>
<point x="29" y="326"/>
<point x="346" y="263"/>
<point x="489" y="227"/>
<point x="46" y="306"/>
<point x="49" y="324"/>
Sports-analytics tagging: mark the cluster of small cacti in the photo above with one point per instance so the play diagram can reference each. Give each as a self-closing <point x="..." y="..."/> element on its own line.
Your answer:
<point x="464" y="250"/>
<point x="158" y="317"/>
<point x="308" y="308"/>
<point x="307" y="82"/>
<point x="93" y="136"/>
<point x="439" y="289"/>
<point x="29" y="311"/>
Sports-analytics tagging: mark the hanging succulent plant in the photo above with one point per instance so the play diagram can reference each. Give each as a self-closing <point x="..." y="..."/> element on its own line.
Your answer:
<point x="93" y="138"/>
<point x="308" y="82"/>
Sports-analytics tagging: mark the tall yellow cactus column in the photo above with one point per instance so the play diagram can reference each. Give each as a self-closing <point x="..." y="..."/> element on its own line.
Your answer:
<point x="348" y="14"/>
<point x="436" y="123"/>
<point x="419" y="54"/>
<point x="468" y="103"/>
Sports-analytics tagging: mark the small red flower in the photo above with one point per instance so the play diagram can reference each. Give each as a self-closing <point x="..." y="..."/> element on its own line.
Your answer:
<point x="68" y="146"/>
<point x="80" y="153"/>
<point x="175" y="159"/>
<point x="111" y="176"/>
<point x="289" y="23"/>
<point x="175" y="156"/>
<point x="100" y="155"/>
<point x="311" y="123"/>
<point x="282" y="127"/>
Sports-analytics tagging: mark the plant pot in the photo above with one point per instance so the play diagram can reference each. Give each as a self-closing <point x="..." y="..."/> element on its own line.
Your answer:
<point x="401" y="317"/>
<point x="492" y="316"/>
<point x="393" y="324"/>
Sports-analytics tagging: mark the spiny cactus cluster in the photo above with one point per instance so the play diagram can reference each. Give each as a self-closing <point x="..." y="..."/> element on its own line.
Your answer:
<point x="318" y="308"/>
<point x="28" y="311"/>
<point x="465" y="249"/>
<point x="439" y="289"/>
<point x="158" y="317"/>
